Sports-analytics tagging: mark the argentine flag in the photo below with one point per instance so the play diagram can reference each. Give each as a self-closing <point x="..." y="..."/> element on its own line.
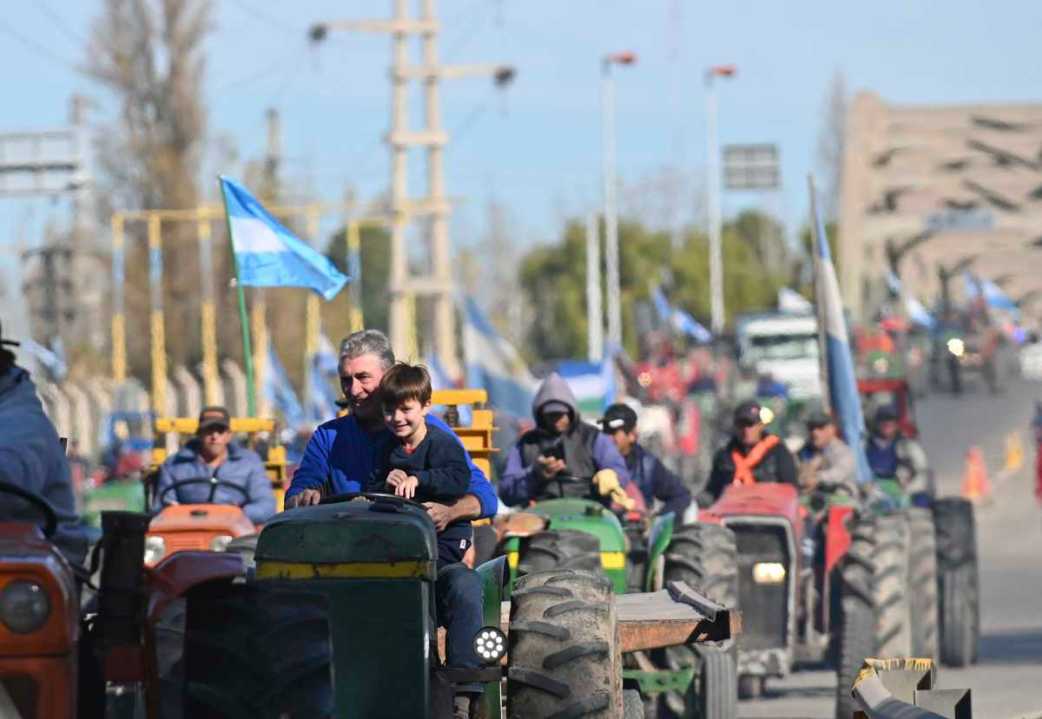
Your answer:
<point x="842" y="383"/>
<point x="269" y="255"/>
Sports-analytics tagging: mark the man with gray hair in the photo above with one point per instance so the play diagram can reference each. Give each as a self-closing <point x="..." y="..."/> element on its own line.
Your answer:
<point x="341" y="456"/>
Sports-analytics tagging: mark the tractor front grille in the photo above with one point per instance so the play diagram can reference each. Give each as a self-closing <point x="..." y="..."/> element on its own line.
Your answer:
<point x="765" y="607"/>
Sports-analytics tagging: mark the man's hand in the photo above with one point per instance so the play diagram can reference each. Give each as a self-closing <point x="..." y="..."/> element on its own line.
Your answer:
<point x="809" y="473"/>
<point x="441" y="514"/>
<point x="306" y="498"/>
<point x="549" y="467"/>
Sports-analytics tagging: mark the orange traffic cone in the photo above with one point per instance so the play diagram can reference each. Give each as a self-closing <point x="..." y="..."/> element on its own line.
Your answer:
<point x="975" y="484"/>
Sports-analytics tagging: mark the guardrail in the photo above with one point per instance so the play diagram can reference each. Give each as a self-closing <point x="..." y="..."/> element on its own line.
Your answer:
<point x="904" y="689"/>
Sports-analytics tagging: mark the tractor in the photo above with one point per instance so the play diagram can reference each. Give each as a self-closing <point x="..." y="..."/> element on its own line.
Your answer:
<point x="637" y="556"/>
<point x="206" y="526"/>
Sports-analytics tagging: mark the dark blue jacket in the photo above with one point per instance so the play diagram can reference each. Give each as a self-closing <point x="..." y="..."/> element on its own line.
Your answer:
<point x="342" y="456"/>
<point x="657" y="482"/>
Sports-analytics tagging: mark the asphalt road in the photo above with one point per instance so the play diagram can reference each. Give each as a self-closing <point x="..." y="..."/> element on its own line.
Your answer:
<point x="1007" y="681"/>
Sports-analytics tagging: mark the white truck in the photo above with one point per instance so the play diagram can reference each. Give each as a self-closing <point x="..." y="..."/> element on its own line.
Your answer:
<point x="784" y="346"/>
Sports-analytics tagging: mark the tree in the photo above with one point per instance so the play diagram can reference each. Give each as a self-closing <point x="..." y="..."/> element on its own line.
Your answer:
<point x="554" y="283"/>
<point x="149" y="54"/>
<point x="831" y="142"/>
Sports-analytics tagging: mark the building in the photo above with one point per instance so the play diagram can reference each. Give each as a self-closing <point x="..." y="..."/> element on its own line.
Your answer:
<point x="932" y="188"/>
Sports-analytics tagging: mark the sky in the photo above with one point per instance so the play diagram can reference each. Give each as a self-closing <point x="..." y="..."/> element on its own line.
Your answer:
<point x="536" y="146"/>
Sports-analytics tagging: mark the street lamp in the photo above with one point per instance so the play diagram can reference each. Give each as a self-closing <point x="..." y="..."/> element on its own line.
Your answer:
<point x="611" y="218"/>
<point x="716" y="268"/>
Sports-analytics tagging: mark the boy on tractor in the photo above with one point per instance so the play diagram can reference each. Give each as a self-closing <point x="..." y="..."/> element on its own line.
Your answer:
<point x="891" y="455"/>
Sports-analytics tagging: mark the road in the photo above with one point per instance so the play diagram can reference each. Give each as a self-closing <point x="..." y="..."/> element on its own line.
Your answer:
<point x="1007" y="681"/>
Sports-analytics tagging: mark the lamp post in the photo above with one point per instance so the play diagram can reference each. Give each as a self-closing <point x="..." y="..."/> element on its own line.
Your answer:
<point x="716" y="263"/>
<point x="611" y="218"/>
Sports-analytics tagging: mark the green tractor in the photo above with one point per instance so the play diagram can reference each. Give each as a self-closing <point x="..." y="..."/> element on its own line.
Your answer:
<point x="636" y="556"/>
<point x="336" y="618"/>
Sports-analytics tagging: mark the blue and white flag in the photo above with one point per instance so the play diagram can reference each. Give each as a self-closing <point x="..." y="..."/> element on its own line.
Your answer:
<point x="993" y="294"/>
<point x="269" y="255"/>
<point x="917" y="313"/>
<point x="493" y="363"/>
<point x="679" y="320"/>
<point x="839" y="365"/>
<point x="279" y="391"/>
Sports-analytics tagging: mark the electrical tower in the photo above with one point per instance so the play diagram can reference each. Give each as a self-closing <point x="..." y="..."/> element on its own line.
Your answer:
<point x="438" y="283"/>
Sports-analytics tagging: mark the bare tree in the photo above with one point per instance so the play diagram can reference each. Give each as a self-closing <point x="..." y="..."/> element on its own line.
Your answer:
<point x="149" y="54"/>
<point x="831" y="140"/>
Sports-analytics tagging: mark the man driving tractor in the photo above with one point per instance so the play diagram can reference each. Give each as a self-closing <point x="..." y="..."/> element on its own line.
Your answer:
<point x="752" y="455"/>
<point x="31" y="456"/>
<point x="213" y="454"/>
<point x="646" y="470"/>
<point x="826" y="461"/>
<point x="891" y="455"/>
<point x="562" y="456"/>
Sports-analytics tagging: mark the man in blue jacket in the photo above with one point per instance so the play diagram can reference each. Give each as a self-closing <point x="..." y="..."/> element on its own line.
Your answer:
<point x="341" y="456"/>
<point x="212" y="455"/>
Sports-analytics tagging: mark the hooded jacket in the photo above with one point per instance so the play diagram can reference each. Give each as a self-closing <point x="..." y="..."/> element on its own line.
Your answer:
<point x="31" y="458"/>
<point x="584" y="448"/>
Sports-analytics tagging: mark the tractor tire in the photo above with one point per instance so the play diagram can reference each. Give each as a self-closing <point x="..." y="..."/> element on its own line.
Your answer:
<point x="893" y="606"/>
<point x="750" y="686"/>
<point x="857" y="632"/>
<point x="562" y="549"/>
<point x="960" y="616"/>
<point x="632" y="704"/>
<point x="564" y="658"/>
<point x="922" y="583"/>
<point x="705" y="557"/>
<point x="958" y="581"/>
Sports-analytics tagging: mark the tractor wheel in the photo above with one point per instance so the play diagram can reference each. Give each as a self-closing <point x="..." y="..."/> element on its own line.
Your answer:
<point x="717" y="696"/>
<point x="893" y="613"/>
<point x="960" y="617"/>
<point x="632" y="704"/>
<point x="958" y="582"/>
<point x="922" y="583"/>
<point x="857" y="633"/>
<point x="564" y="653"/>
<point x="705" y="557"/>
<point x="750" y="686"/>
<point x="562" y="549"/>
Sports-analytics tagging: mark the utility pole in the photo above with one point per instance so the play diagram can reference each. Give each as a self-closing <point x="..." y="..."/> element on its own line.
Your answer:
<point x="716" y="262"/>
<point x="438" y="284"/>
<point x="594" y="310"/>
<point x="611" y="213"/>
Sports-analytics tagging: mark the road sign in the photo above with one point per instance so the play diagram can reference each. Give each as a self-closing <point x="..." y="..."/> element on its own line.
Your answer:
<point x="33" y="163"/>
<point x="751" y="167"/>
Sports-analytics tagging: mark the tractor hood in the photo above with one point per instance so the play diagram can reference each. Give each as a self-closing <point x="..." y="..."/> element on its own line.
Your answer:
<point x="767" y="499"/>
<point x="359" y="531"/>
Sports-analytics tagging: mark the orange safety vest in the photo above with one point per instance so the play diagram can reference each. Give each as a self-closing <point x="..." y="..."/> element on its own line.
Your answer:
<point x="744" y="465"/>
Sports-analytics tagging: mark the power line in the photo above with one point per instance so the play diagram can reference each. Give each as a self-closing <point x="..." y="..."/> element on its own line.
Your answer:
<point x="38" y="48"/>
<point x="263" y="16"/>
<point x="59" y="22"/>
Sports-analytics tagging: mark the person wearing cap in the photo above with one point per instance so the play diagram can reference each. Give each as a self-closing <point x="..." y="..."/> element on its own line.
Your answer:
<point x="560" y="444"/>
<point x="752" y="455"/>
<point x="826" y="462"/>
<point x="212" y="454"/>
<point x="652" y="477"/>
<point x="891" y="455"/>
<point x="32" y="459"/>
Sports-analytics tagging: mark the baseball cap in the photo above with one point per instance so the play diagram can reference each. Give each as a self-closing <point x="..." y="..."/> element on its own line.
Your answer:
<point x="886" y="413"/>
<point x="748" y="412"/>
<point x="618" y="416"/>
<point x="214" y="416"/>
<point x="818" y="417"/>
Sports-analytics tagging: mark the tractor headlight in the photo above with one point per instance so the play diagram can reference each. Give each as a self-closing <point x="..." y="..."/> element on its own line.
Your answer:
<point x="24" y="606"/>
<point x="880" y="365"/>
<point x="220" y="542"/>
<point x="768" y="572"/>
<point x="490" y="644"/>
<point x="956" y="346"/>
<point x="155" y="548"/>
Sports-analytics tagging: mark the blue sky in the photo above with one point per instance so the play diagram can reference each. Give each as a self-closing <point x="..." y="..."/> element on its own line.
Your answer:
<point x="536" y="148"/>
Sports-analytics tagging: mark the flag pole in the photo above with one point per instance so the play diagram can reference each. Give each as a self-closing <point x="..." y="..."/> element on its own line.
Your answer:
<point x="244" y="318"/>
<point x="819" y="291"/>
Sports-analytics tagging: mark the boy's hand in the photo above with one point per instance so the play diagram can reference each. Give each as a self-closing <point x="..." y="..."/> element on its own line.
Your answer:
<point x="407" y="488"/>
<point x="395" y="477"/>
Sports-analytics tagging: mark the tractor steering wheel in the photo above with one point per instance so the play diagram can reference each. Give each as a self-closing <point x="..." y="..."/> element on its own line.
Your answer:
<point x="213" y="483"/>
<point x="50" y="519"/>
<point x="372" y="497"/>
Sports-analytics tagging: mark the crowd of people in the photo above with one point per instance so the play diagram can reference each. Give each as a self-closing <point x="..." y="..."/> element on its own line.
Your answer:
<point x="390" y="442"/>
